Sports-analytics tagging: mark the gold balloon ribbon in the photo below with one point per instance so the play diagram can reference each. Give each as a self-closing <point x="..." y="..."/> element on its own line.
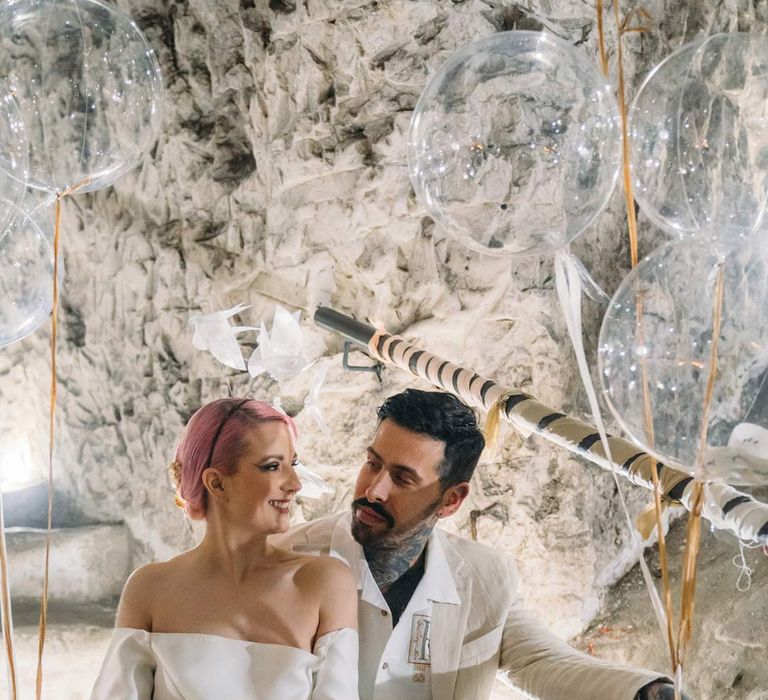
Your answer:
<point x="654" y="512"/>
<point x="492" y="424"/>
<point x="693" y="532"/>
<point x="42" y="627"/>
<point x="652" y="515"/>
<point x="6" y="601"/>
<point x="663" y="485"/>
<point x="646" y="520"/>
<point x="601" y="39"/>
<point x="624" y="27"/>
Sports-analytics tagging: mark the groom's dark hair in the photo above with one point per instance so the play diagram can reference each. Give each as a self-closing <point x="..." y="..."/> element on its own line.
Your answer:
<point x="443" y="417"/>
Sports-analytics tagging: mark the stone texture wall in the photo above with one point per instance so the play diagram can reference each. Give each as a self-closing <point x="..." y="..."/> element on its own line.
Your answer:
<point x="281" y="177"/>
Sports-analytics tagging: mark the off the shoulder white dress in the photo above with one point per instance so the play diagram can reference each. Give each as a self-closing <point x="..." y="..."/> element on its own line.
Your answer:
<point x="142" y="665"/>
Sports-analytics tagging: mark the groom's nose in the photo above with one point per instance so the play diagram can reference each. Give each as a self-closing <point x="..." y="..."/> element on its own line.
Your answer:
<point x="378" y="489"/>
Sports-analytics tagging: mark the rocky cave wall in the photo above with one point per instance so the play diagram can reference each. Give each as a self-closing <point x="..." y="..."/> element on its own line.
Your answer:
<point x="280" y="176"/>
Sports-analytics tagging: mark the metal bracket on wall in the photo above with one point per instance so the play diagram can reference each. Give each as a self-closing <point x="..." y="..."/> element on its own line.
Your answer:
<point x="376" y="367"/>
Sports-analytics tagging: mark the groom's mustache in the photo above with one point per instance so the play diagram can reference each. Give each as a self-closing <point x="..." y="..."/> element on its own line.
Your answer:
<point x="376" y="508"/>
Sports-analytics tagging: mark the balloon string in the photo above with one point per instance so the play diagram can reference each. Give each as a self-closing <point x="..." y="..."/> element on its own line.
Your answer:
<point x="625" y="149"/>
<point x="10" y="656"/>
<point x="623" y="27"/>
<point x="666" y="585"/>
<point x="601" y="38"/>
<point x="51" y="441"/>
<point x="745" y="572"/>
<point x="658" y="506"/>
<point x="693" y="533"/>
<point x="568" y="285"/>
<point x="43" y="625"/>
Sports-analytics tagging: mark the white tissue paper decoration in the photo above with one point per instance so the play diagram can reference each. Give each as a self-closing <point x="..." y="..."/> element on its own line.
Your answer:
<point x="279" y="352"/>
<point x="214" y="333"/>
<point x="744" y="460"/>
<point x="312" y="485"/>
<point x="310" y="403"/>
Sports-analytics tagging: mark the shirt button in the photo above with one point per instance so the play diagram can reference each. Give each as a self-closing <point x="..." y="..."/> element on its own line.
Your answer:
<point x="384" y="613"/>
<point x="385" y="665"/>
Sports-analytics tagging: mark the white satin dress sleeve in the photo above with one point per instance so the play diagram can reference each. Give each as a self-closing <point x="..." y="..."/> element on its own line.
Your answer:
<point x="128" y="671"/>
<point x="336" y="679"/>
<point x="143" y="665"/>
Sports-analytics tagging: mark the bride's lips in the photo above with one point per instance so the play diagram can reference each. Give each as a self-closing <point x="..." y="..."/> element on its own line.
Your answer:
<point x="281" y="505"/>
<point x="369" y="517"/>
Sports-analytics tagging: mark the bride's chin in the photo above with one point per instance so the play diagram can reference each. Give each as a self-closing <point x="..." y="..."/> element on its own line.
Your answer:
<point x="277" y="528"/>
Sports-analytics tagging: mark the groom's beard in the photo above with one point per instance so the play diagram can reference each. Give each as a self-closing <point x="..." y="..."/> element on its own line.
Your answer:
<point x="390" y="533"/>
<point x="365" y="534"/>
<point x="392" y="548"/>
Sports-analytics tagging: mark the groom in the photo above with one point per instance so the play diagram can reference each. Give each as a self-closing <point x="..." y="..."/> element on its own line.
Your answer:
<point x="439" y="615"/>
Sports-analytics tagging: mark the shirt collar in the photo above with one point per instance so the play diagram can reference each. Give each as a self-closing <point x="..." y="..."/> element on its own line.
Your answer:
<point x="343" y="546"/>
<point x="437" y="581"/>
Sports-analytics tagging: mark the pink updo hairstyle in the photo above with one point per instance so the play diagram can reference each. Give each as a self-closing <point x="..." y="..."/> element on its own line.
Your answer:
<point x="215" y="436"/>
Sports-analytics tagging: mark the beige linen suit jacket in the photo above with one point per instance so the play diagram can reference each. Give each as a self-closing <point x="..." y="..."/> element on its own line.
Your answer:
<point x="489" y="633"/>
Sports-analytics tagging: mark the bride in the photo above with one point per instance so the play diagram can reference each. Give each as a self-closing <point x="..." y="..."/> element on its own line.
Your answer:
<point x="235" y="617"/>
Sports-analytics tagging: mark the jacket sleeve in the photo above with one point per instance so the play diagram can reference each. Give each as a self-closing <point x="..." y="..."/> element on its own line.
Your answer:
<point x="537" y="662"/>
<point x="128" y="671"/>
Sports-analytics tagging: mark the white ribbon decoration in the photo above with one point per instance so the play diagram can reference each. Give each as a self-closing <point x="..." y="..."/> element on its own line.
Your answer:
<point x="568" y="281"/>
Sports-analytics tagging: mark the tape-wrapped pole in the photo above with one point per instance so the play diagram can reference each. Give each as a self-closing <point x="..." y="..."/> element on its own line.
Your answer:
<point x="725" y="507"/>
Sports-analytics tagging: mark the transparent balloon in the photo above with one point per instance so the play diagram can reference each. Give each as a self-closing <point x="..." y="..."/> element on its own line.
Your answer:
<point x="14" y="158"/>
<point x="26" y="278"/>
<point x="88" y="86"/>
<point x="39" y="206"/>
<point x="699" y="131"/>
<point x="514" y="143"/>
<point x="657" y="334"/>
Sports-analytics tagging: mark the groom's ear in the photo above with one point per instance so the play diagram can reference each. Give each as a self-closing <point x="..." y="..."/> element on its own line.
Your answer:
<point x="453" y="498"/>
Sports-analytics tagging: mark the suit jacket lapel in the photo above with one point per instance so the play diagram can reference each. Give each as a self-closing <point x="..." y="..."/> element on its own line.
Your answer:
<point x="449" y="621"/>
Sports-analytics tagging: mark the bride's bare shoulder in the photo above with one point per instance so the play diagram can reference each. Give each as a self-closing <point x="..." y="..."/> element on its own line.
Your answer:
<point x="330" y="581"/>
<point x="140" y="592"/>
<point x="324" y="572"/>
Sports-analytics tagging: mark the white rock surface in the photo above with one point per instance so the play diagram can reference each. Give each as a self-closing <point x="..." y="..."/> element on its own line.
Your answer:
<point x="87" y="564"/>
<point x="281" y="177"/>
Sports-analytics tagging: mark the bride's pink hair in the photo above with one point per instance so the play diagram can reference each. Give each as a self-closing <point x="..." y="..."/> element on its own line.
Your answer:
<point x="225" y="422"/>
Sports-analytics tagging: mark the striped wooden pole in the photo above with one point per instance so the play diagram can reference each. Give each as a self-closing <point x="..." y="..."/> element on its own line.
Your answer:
<point x="726" y="507"/>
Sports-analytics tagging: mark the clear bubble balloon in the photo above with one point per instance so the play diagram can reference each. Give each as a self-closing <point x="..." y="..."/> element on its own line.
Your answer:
<point x="26" y="278"/>
<point x="699" y="130"/>
<point x="658" y="332"/>
<point x="14" y="157"/>
<point x="514" y="143"/>
<point x="89" y="88"/>
<point x="39" y="206"/>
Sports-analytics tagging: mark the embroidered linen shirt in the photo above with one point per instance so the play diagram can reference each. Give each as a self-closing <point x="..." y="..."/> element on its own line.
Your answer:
<point x="394" y="662"/>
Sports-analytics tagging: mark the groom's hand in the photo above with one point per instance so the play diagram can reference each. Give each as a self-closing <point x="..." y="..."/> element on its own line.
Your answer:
<point x="658" y="690"/>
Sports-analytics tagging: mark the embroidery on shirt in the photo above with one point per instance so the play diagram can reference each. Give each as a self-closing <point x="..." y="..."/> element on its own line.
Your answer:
<point x="418" y="649"/>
